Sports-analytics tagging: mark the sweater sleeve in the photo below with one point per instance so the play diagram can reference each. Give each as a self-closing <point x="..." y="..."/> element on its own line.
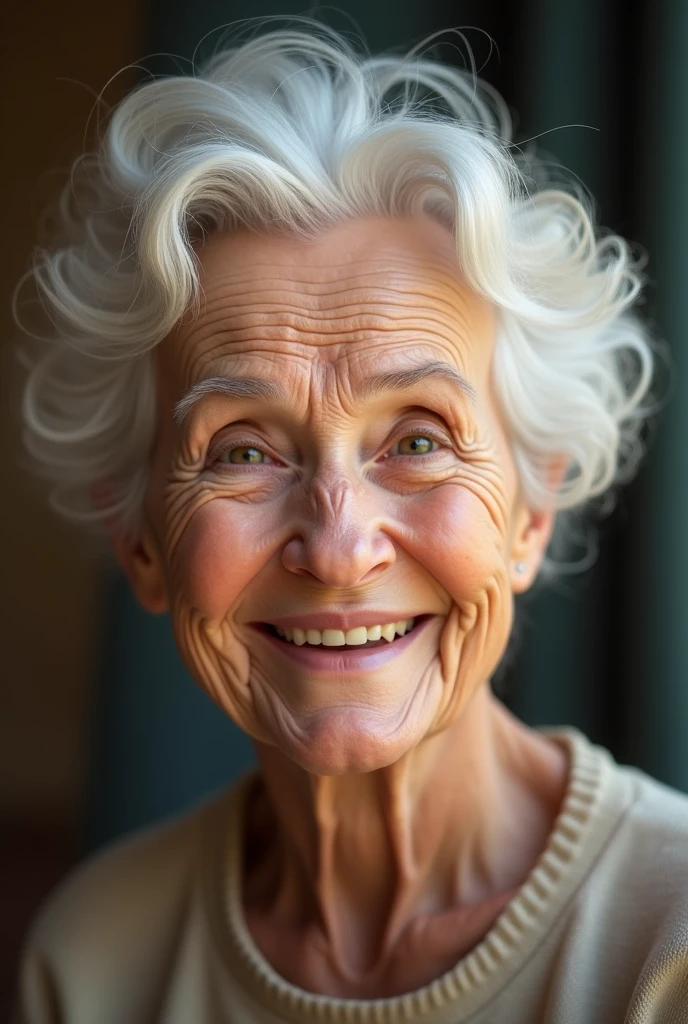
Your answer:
<point x="661" y="992"/>
<point x="103" y="947"/>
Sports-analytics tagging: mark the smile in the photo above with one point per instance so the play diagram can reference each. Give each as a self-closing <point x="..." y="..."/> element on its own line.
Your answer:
<point x="329" y="650"/>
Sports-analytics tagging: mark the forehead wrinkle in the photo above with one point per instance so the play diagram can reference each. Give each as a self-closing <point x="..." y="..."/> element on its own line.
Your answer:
<point x="362" y="286"/>
<point x="397" y="274"/>
<point x="291" y="280"/>
<point x="395" y="294"/>
<point x="368" y="309"/>
<point x="442" y="314"/>
<point x="202" y="361"/>
<point x="241" y="363"/>
<point x="285" y="328"/>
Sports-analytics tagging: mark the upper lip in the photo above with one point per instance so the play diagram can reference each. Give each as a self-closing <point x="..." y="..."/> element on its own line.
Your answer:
<point x="340" y="620"/>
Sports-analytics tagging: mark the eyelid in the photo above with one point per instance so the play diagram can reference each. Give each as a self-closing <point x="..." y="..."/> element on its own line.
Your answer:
<point x="434" y="435"/>
<point x="438" y="436"/>
<point x="214" y="451"/>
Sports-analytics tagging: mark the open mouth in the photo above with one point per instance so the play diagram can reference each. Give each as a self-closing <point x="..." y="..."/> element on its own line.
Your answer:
<point x="361" y="638"/>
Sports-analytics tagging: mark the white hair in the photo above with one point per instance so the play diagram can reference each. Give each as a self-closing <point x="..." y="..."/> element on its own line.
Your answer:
<point x="294" y="132"/>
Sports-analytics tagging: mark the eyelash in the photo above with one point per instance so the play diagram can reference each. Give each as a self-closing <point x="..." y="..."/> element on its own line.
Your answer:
<point x="436" y="436"/>
<point x="214" y="454"/>
<point x="432" y="435"/>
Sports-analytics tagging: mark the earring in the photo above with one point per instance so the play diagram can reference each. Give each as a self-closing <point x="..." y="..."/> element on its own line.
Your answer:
<point x="520" y="567"/>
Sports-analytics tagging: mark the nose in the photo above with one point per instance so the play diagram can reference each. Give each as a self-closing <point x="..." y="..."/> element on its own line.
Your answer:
<point x="338" y="539"/>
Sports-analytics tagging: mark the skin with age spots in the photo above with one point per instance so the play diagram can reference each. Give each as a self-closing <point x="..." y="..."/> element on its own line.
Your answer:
<point x="329" y="443"/>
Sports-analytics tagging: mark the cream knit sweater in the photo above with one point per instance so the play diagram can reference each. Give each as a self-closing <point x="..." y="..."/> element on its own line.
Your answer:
<point x="152" y="930"/>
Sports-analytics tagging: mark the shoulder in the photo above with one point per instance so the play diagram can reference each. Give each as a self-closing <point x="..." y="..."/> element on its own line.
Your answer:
<point x="146" y="869"/>
<point x="630" y="819"/>
<point x="657" y="854"/>
<point x="656" y="826"/>
<point x="631" y="825"/>
<point x="119" y="915"/>
<point x="645" y="853"/>
<point x="638" y="896"/>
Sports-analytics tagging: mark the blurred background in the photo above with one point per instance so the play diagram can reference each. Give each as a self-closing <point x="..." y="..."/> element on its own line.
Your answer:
<point x="101" y="731"/>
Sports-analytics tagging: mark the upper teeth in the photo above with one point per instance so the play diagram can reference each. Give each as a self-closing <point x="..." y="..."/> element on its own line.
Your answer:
<point x="337" y="637"/>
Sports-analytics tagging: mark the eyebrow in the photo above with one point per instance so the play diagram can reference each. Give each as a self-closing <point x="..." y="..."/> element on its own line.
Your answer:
<point x="259" y="387"/>
<point x="231" y="387"/>
<point x="401" y="380"/>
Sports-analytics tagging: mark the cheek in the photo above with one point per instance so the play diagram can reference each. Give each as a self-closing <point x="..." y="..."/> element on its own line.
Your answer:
<point x="453" y="535"/>
<point x="220" y="552"/>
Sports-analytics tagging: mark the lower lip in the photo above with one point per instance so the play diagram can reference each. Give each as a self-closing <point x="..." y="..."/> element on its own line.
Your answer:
<point x="319" y="659"/>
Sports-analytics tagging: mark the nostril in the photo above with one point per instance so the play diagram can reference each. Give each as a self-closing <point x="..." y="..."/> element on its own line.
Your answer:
<point x="339" y="558"/>
<point x="372" y="574"/>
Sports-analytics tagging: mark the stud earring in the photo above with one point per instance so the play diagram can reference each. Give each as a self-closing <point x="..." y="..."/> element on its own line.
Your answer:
<point x="520" y="567"/>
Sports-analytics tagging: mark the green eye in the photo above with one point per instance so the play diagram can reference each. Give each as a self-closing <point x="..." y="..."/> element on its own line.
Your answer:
<point x="416" y="444"/>
<point x="242" y="455"/>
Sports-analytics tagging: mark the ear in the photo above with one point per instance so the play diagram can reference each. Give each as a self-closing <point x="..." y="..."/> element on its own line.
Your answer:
<point x="139" y="557"/>
<point x="143" y="566"/>
<point x="531" y="533"/>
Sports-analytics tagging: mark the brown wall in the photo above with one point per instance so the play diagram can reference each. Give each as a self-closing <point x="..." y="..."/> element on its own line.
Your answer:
<point x="55" y="58"/>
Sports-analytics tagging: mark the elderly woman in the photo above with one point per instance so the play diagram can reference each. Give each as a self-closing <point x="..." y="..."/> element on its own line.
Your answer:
<point x="328" y="357"/>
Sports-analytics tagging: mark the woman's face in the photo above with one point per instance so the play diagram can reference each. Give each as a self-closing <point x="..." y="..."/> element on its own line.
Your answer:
<point x="336" y="461"/>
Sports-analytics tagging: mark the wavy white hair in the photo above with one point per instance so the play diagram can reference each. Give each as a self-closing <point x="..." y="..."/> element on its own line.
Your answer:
<point x="293" y="131"/>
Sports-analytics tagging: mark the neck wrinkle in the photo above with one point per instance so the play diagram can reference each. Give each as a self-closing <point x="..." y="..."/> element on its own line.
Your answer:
<point x="326" y="834"/>
<point x="399" y="812"/>
<point x="379" y="852"/>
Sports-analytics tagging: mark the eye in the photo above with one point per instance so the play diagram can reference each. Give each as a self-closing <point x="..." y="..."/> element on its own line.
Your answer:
<point x="242" y="455"/>
<point x="415" y="444"/>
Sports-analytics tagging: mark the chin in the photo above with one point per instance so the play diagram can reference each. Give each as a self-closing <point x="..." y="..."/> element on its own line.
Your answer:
<point x="347" y="741"/>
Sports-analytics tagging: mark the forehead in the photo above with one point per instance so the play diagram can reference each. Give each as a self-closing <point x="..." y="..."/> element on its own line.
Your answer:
<point x="372" y="294"/>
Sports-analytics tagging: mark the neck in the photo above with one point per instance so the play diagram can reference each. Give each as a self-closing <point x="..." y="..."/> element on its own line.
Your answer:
<point x="365" y="861"/>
